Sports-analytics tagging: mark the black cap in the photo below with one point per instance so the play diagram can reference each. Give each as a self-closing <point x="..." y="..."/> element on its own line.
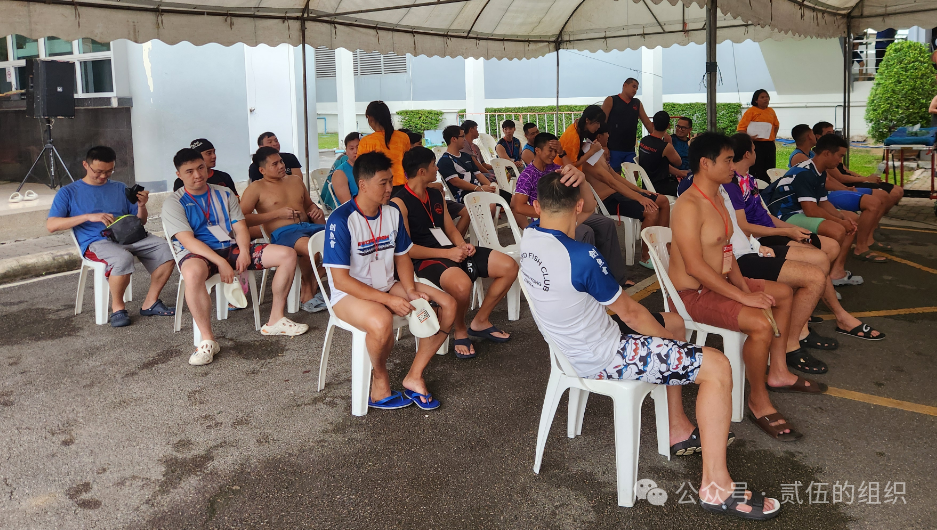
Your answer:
<point x="201" y="145"/>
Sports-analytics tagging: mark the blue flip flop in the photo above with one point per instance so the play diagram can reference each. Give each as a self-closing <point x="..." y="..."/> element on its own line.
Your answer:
<point x="158" y="309"/>
<point x="430" y="404"/>
<point x="488" y="334"/>
<point x="467" y="342"/>
<point x="394" y="401"/>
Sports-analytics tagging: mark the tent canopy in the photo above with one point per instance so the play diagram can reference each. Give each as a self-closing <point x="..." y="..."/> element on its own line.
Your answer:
<point x="466" y="28"/>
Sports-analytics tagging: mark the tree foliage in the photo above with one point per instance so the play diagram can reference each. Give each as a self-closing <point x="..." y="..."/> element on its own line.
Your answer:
<point x="903" y="89"/>
<point x="420" y="120"/>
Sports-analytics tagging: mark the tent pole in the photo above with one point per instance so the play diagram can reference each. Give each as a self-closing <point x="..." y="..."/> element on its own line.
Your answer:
<point x="711" y="65"/>
<point x="557" y="116"/>
<point x="847" y="84"/>
<point x="302" y="25"/>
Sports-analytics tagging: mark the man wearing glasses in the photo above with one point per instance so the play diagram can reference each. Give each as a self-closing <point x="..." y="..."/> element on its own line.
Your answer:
<point x="90" y="205"/>
<point x="681" y="143"/>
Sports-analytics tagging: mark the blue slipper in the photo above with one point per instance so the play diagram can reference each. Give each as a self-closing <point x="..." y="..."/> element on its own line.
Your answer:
<point x="120" y="319"/>
<point x="158" y="309"/>
<point x="415" y="396"/>
<point x="467" y="342"/>
<point x="488" y="334"/>
<point x="394" y="401"/>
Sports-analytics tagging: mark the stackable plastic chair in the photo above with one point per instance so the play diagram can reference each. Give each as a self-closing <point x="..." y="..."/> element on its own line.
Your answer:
<point x="632" y="228"/>
<point x="221" y="302"/>
<point x="630" y="168"/>
<point x="628" y="396"/>
<point x="487" y="144"/>
<point x="479" y="204"/>
<point x="500" y="168"/>
<point x="439" y="150"/>
<point x="319" y="180"/>
<point x="657" y="238"/>
<point x="102" y="289"/>
<point x="292" y="299"/>
<point x="360" y="360"/>
<point x="775" y="173"/>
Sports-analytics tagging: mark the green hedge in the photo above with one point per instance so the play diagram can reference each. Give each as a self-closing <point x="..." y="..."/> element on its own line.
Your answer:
<point x="903" y="89"/>
<point x="420" y="120"/>
<point x="727" y="116"/>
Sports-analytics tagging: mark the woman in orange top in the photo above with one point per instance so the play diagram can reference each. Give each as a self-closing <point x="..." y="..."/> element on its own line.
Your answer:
<point x="765" y="149"/>
<point x="385" y="140"/>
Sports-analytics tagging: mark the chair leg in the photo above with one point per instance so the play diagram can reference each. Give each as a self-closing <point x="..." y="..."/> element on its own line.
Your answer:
<point x="583" y="399"/>
<point x="80" y="297"/>
<point x="180" y="302"/>
<point x="292" y="299"/>
<point x="196" y="333"/>
<point x="252" y="287"/>
<point x="263" y="287"/>
<point x="444" y="348"/>
<point x="575" y="411"/>
<point x="662" y="413"/>
<point x="128" y="292"/>
<point x="478" y="294"/>
<point x="551" y="401"/>
<point x="514" y="301"/>
<point x="733" y="351"/>
<point x="324" y="361"/>
<point x="221" y="303"/>
<point x="629" y="243"/>
<point x="627" y="443"/>
<point x="360" y="374"/>
<point x="102" y="295"/>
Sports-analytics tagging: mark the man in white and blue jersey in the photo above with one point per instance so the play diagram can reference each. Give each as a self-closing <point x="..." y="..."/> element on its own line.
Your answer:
<point x="211" y="237"/>
<point x="371" y="279"/>
<point x="570" y="289"/>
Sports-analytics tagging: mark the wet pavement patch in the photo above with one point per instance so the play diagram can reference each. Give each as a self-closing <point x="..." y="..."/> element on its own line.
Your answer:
<point x="37" y="324"/>
<point x="256" y="350"/>
<point x="178" y="468"/>
<point x="76" y="494"/>
<point x="6" y="398"/>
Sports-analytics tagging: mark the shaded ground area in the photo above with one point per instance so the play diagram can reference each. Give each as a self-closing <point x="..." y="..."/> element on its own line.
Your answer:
<point x="111" y="428"/>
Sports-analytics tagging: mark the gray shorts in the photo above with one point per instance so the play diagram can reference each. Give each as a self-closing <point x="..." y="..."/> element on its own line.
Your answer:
<point x="152" y="251"/>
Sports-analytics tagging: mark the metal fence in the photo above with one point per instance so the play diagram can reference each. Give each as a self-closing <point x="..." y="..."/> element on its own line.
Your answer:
<point x="551" y="122"/>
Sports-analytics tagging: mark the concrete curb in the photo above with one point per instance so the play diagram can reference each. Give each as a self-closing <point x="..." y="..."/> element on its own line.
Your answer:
<point x="35" y="265"/>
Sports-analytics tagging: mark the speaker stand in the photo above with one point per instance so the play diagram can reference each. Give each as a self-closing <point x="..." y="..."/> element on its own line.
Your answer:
<point x="48" y="150"/>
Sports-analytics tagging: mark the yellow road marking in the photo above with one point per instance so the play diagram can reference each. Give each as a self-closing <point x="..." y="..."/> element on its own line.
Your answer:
<point x="882" y="401"/>
<point x="647" y="291"/>
<point x="906" y="262"/>
<point x="923" y="231"/>
<point x="887" y="312"/>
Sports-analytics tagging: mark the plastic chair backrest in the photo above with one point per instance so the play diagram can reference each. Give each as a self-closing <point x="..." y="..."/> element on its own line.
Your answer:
<point x="657" y="238"/>
<point x="445" y="188"/>
<point x="439" y="151"/>
<point x="501" y="173"/>
<point x="315" y="246"/>
<point x="630" y="168"/>
<point x="318" y="178"/>
<point x="172" y="248"/>
<point x="71" y="232"/>
<point x="599" y="204"/>
<point x="487" y="143"/>
<point x="775" y="173"/>
<point x="557" y="357"/>
<point x="479" y="204"/>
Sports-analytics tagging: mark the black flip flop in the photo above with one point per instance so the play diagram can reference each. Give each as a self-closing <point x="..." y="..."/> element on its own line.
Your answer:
<point x="861" y="328"/>
<point x="814" y="320"/>
<point x="802" y="361"/>
<point x="464" y="342"/>
<point x="488" y="333"/>
<point x="818" y="342"/>
<point x="692" y="444"/>
<point x="730" y="506"/>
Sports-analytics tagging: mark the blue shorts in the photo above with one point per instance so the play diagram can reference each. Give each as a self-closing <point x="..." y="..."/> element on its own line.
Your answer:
<point x="617" y="157"/>
<point x="288" y="235"/>
<point x="848" y="200"/>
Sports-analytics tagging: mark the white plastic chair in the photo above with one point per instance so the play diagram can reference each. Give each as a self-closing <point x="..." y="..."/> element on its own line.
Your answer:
<point x="630" y="168"/>
<point x="360" y="360"/>
<point x="319" y="180"/>
<point x="500" y="168"/>
<point x="221" y="302"/>
<point x="628" y="396"/>
<point x="439" y="150"/>
<point x="292" y="299"/>
<point x="487" y="144"/>
<point x="775" y="173"/>
<point x="479" y="204"/>
<point x="657" y="238"/>
<point x="102" y="289"/>
<point x="632" y="228"/>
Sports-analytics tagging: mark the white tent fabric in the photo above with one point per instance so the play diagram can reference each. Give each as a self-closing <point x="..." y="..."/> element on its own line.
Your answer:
<point x="467" y="28"/>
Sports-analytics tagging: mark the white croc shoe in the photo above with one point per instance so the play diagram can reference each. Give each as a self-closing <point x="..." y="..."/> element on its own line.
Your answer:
<point x="205" y="353"/>
<point x="284" y="326"/>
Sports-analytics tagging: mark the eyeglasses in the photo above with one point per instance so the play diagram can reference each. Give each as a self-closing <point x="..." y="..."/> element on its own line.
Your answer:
<point x="104" y="172"/>
<point x="682" y="127"/>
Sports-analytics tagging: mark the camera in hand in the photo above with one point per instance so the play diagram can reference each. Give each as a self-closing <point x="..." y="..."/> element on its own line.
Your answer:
<point x="132" y="192"/>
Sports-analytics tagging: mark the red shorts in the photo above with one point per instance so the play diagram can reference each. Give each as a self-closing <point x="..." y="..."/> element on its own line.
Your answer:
<point x="708" y="307"/>
<point x="230" y="254"/>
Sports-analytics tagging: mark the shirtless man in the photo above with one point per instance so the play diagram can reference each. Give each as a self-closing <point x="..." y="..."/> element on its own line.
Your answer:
<point x="705" y="273"/>
<point x="288" y="215"/>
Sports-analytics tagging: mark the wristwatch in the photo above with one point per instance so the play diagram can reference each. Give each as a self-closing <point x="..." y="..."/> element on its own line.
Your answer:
<point x="562" y="154"/>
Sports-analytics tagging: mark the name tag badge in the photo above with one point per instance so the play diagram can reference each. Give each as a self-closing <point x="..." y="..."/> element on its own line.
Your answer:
<point x="440" y="236"/>
<point x="220" y="233"/>
<point x="727" y="259"/>
<point x="378" y="274"/>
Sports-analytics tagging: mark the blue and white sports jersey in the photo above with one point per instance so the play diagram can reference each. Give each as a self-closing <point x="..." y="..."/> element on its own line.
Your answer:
<point x="570" y="285"/>
<point x="801" y="183"/>
<point x="349" y="244"/>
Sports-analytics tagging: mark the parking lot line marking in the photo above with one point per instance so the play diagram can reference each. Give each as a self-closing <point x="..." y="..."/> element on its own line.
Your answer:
<point x="906" y="262"/>
<point x="887" y="312"/>
<point x="908" y="229"/>
<point x="645" y="292"/>
<point x="882" y="401"/>
<point x="32" y="280"/>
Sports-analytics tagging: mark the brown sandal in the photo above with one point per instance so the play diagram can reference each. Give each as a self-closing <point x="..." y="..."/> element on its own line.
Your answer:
<point x="801" y="387"/>
<point x="775" y="430"/>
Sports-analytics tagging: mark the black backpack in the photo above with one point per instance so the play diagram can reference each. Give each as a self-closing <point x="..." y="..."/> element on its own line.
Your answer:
<point x="125" y="230"/>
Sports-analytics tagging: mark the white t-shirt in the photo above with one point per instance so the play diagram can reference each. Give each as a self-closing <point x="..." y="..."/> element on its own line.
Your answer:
<point x="349" y="244"/>
<point x="569" y="285"/>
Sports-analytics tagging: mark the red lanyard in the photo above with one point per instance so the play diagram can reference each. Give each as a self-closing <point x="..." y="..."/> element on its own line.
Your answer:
<point x="511" y="153"/>
<point x="724" y="220"/>
<point x="207" y="211"/>
<point x="433" y="222"/>
<point x="367" y="222"/>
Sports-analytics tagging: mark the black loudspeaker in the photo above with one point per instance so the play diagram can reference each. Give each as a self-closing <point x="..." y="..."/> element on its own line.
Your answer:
<point x="50" y="89"/>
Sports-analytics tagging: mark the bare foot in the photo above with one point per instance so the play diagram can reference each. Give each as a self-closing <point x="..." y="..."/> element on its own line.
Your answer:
<point x="460" y="348"/>
<point x="767" y="411"/>
<point x="478" y="326"/>
<point x="417" y="385"/>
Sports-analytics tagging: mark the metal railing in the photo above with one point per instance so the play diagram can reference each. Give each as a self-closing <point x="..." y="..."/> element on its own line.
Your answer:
<point x="551" y="122"/>
<point x="865" y="58"/>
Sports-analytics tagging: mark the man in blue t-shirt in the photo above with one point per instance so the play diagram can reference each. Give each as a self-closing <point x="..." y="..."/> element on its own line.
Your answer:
<point x="212" y="238"/>
<point x="371" y="279"/>
<point x="570" y="291"/>
<point x="90" y="205"/>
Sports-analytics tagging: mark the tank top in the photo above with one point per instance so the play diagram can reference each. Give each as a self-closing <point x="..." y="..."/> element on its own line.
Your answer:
<point x="652" y="159"/>
<point x="623" y="124"/>
<point x="797" y="151"/>
<point x="418" y="217"/>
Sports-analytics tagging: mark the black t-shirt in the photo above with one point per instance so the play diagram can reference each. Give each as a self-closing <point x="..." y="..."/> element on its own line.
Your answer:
<point x="622" y="124"/>
<point x="288" y="158"/>
<point x="217" y="177"/>
<point x="652" y="159"/>
<point x="418" y="216"/>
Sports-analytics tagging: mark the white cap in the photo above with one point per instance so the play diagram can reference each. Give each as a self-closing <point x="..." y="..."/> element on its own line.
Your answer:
<point x="422" y="320"/>
<point x="234" y="294"/>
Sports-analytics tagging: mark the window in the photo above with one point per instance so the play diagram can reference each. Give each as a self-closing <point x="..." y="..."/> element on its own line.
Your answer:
<point x="364" y="63"/>
<point x="325" y="62"/>
<point x="94" y="73"/>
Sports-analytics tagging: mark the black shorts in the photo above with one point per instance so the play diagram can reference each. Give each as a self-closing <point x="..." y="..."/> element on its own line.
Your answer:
<point x="626" y="329"/>
<point x="782" y="241"/>
<point x="759" y="268"/>
<point x="621" y="206"/>
<point x="506" y="195"/>
<point x="454" y="208"/>
<point x="432" y="269"/>
<point x="884" y="186"/>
